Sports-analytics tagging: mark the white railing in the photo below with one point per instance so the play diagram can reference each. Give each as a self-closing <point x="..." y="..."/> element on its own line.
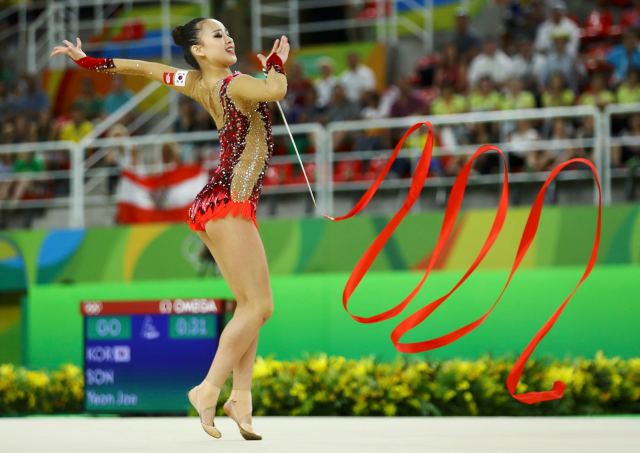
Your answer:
<point x="15" y="36"/>
<point x="57" y="22"/>
<point x="194" y="143"/>
<point x="387" y="22"/>
<point x="73" y="178"/>
<point x="440" y="122"/>
<point x="609" y="112"/>
<point x="85" y="176"/>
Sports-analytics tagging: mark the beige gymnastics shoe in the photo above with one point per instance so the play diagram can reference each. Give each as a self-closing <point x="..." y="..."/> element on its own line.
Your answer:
<point x="241" y="399"/>
<point x="194" y="399"/>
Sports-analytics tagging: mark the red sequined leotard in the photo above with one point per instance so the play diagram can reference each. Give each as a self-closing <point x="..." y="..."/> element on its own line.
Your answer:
<point x="243" y="162"/>
<point x="238" y="105"/>
<point x="246" y="148"/>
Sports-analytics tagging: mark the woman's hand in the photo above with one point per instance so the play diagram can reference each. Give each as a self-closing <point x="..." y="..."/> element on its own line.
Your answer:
<point x="73" y="52"/>
<point x="280" y="47"/>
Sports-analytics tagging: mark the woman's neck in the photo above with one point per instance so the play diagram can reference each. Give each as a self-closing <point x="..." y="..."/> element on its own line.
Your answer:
<point x="212" y="73"/>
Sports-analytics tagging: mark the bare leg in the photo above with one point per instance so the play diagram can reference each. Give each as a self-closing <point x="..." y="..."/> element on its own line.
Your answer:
<point x="237" y="248"/>
<point x="242" y="379"/>
<point x="243" y="371"/>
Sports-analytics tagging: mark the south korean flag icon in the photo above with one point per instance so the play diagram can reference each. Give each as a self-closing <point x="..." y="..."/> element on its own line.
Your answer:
<point x="180" y="79"/>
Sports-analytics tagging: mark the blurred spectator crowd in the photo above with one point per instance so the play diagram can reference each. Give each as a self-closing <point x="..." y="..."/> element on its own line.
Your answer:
<point x="544" y="57"/>
<point x="26" y="115"/>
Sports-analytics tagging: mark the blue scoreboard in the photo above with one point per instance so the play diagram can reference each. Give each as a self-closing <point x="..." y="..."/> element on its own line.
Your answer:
<point x="143" y="356"/>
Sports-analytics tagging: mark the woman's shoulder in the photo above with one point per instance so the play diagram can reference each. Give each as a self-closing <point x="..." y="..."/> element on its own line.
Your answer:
<point x="225" y="81"/>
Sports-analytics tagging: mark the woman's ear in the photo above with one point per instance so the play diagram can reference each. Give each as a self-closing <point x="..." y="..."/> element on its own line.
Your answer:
<point x="196" y="49"/>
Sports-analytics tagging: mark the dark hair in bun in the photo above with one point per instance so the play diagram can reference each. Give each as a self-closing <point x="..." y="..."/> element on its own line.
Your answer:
<point x="186" y="36"/>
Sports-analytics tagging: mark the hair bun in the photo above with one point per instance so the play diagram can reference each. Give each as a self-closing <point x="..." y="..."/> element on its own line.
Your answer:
<point x="177" y="34"/>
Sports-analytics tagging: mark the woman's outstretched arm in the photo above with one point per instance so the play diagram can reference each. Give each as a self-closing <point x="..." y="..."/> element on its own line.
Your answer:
<point x="248" y="88"/>
<point x="274" y="87"/>
<point x="183" y="81"/>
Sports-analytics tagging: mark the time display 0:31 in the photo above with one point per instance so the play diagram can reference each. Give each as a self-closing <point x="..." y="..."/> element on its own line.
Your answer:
<point x="191" y="326"/>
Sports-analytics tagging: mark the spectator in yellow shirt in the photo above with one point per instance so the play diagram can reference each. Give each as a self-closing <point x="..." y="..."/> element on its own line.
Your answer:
<point x="557" y="94"/>
<point x="485" y="97"/>
<point x="448" y="102"/>
<point x="516" y="97"/>
<point x="78" y="127"/>
<point x="629" y="89"/>
<point x="448" y="137"/>
<point x="598" y="95"/>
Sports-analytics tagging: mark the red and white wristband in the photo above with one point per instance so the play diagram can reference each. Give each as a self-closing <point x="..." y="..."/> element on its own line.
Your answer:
<point x="275" y="62"/>
<point x="95" y="64"/>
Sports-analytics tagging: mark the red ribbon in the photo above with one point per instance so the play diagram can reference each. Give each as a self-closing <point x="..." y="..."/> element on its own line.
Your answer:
<point x="451" y="213"/>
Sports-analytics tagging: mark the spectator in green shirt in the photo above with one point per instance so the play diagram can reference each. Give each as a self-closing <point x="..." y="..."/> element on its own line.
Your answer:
<point x="516" y="97"/>
<point x="16" y="190"/>
<point x="598" y="94"/>
<point x="557" y="94"/>
<point x="629" y="89"/>
<point x="28" y="162"/>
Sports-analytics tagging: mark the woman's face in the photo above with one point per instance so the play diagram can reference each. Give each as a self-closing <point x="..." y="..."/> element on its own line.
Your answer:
<point x="216" y="45"/>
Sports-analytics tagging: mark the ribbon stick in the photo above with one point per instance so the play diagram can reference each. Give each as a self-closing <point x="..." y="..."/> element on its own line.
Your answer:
<point x="297" y="154"/>
<point x="451" y="213"/>
<point x="295" y="147"/>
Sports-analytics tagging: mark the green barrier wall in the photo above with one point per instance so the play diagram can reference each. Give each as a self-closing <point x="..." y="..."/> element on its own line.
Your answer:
<point x="309" y="317"/>
<point x="313" y="258"/>
<point x="294" y="246"/>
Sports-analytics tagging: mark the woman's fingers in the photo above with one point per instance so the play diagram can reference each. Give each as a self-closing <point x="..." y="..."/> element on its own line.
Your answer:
<point x="69" y="44"/>
<point x="285" y="46"/>
<point x="280" y="46"/>
<point x="58" y="50"/>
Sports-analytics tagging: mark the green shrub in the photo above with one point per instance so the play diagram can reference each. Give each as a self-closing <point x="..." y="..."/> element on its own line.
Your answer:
<point x="323" y="385"/>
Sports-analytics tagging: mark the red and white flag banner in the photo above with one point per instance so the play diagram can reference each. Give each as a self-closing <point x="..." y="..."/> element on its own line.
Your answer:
<point x="164" y="197"/>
